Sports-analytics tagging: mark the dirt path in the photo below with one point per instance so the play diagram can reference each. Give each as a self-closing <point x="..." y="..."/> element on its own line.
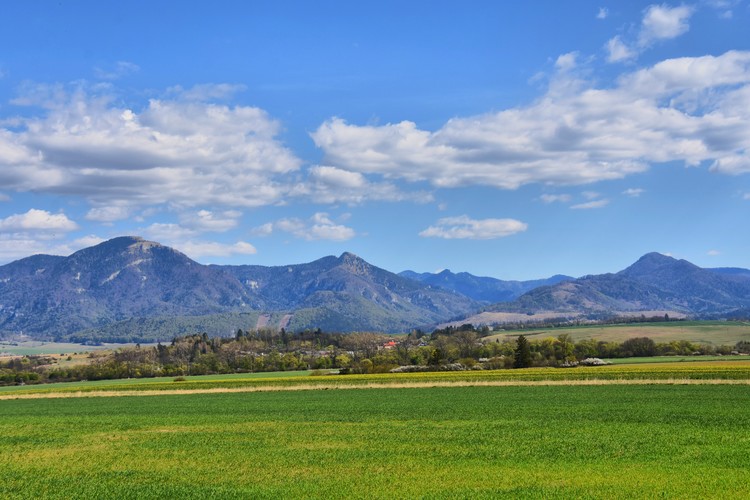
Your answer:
<point x="387" y="385"/>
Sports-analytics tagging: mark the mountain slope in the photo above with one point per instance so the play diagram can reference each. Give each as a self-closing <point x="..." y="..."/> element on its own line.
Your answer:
<point x="373" y="296"/>
<point x="112" y="281"/>
<point x="107" y="289"/>
<point x="480" y="288"/>
<point x="654" y="282"/>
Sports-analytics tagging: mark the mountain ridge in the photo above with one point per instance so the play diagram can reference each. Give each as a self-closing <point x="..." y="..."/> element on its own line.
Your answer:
<point x="125" y="286"/>
<point x="482" y="288"/>
<point x="128" y="277"/>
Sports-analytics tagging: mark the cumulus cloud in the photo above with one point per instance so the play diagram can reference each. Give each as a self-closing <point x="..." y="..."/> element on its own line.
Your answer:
<point x="201" y="249"/>
<point x="108" y="214"/>
<point x="553" y="198"/>
<point x="207" y="91"/>
<point x="87" y="241"/>
<point x="633" y="192"/>
<point x="691" y="109"/>
<point x="464" y="227"/>
<point x="263" y="230"/>
<point x="618" y="51"/>
<point x="566" y="62"/>
<point x="39" y="232"/>
<point x="180" y="152"/>
<point x="15" y="246"/>
<point x="187" y="241"/>
<point x="662" y="22"/>
<point x="119" y="70"/>
<point x="603" y="13"/>
<point x="168" y="232"/>
<point x="591" y="205"/>
<point x="327" y="184"/>
<point x="36" y="219"/>
<point x="205" y="220"/>
<point x="318" y="227"/>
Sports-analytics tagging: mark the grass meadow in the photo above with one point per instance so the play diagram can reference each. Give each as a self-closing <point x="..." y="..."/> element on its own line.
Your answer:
<point x="674" y="430"/>
<point x="618" y="441"/>
<point x="714" y="333"/>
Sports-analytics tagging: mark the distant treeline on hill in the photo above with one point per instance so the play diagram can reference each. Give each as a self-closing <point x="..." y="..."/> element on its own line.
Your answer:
<point x="270" y="350"/>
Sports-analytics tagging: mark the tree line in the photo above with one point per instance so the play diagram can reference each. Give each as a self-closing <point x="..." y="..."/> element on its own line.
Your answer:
<point x="270" y="350"/>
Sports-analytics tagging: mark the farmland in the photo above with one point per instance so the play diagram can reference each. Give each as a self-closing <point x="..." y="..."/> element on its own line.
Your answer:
<point x="610" y="441"/>
<point x="713" y="333"/>
<point x="275" y="381"/>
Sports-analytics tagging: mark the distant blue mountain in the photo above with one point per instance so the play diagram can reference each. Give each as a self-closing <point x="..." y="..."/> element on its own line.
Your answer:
<point x="482" y="289"/>
<point x="655" y="282"/>
<point x="128" y="287"/>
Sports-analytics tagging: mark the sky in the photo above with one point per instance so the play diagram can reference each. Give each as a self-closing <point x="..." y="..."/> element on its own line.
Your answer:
<point x="508" y="139"/>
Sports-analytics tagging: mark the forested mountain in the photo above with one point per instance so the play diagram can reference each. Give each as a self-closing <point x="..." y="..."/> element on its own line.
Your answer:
<point x="131" y="289"/>
<point x="116" y="285"/>
<point x="654" y="282"/>
<point x="481" y="288"/>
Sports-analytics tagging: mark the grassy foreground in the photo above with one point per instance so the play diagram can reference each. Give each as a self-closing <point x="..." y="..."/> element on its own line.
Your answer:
<point x="460" y="442"/>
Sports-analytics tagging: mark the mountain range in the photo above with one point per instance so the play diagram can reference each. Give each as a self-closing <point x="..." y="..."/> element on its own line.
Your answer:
<point x="655" y="283"/>
<point x="128" y="289"/>
<point x="125" y="287"/>
<point x="481" y="288"/>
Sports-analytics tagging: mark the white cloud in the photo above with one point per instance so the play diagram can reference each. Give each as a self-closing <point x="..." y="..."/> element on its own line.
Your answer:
<point x="17" y="244"/>
<point x="4" y="197"/>
<point x="603" y="13"/>
<point x="205" y="220"/>
<point x="591" y="205"/>
<point x="746" y="196"/>
<point x="119" y="70"/>
<point x="618" y="51"/>
<point x="200" y="249"/>
<point x="733" y="164"/>
<point x="463" y="227"/>
<point x="553" y="198"/>
<point x="590" y="195"/>
<point x="566" y="62"/>
<point x="263" y="230"/>
<point x="36" y="219"/>
<point x="318" y="227"/>
<point x="110" y="213"/>
<point x="163" y="232"/>
<point x="178" y="152"/>
<point x="184" y="240"/>
<point x="207" y="91"/>
<point x="661" y="22"/>
<point x="87" y="241"/>
<point x="326" y="184"/>
<point x="634" y="192"/>
<point x="691" y="109"/>
<point x="713" y="253"/>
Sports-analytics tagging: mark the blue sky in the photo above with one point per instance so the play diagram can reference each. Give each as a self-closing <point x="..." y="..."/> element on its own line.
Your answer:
<point x="506" y="139"/>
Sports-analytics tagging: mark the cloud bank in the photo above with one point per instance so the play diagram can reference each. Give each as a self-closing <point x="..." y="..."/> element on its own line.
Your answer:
<point x="691" y="109"/>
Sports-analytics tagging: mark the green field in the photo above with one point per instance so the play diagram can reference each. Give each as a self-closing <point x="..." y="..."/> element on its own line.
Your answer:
<point x="716" y="370"/>
<point x="714" y="333"/>
<point x="35" y="348"/>
<point x="462" y="442"/>
<point x="168" y="382"/>
<point x="676" y="359"/>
